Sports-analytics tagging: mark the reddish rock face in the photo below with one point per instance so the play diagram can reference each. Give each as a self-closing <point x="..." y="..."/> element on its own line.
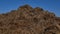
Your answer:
<point x="28" y="20"/>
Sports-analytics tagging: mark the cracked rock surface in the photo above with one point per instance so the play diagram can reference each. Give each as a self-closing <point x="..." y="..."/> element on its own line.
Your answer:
<point x="28" y="20"/>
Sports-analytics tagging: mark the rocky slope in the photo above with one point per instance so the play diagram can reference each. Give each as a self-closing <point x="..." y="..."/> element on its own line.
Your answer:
<point x="28" y="20"/>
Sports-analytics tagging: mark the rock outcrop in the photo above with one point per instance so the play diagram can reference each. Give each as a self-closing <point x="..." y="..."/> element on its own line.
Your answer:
<point x="28" y="20"/>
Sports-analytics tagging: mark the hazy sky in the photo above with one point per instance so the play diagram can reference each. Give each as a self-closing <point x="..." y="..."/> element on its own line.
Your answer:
<point x="50" y="5"/>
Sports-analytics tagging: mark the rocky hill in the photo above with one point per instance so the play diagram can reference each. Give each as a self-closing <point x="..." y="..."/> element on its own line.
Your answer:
<point x="28" y="20"/>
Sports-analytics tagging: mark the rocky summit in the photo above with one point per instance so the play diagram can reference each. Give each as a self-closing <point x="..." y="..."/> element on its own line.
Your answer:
<point x="28" y="20"/>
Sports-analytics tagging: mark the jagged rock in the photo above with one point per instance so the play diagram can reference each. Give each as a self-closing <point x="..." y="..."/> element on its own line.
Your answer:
<point x="38" y="9"/>
<point x="28" y="20"/>
<point x="25" y="7"/>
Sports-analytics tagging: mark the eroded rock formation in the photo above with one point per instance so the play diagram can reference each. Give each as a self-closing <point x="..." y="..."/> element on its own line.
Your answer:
<point x="28" y="20"/>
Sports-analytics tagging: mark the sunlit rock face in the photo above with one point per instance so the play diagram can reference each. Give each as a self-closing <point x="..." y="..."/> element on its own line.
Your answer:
<point x="28" y="20"/>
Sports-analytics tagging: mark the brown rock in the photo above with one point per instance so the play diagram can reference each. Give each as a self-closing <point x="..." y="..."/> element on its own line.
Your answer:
<point x="28" y="20"/>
